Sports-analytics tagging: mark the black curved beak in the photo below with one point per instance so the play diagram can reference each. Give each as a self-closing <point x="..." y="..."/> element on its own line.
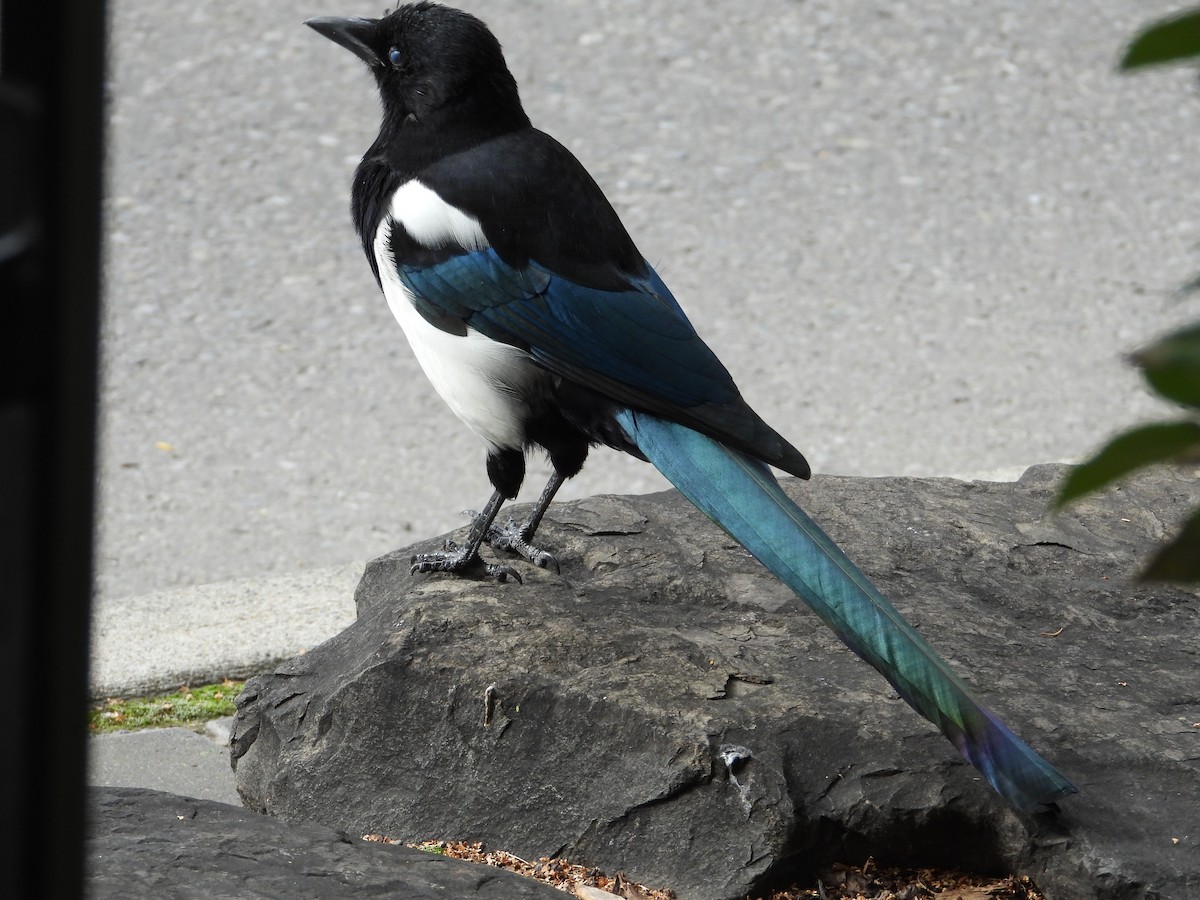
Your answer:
<point x="351" y="33"/>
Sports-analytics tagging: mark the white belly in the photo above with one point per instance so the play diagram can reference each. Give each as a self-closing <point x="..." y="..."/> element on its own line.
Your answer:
<point x="481" y="380"/>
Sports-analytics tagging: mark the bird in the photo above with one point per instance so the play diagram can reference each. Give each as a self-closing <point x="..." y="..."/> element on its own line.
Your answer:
<point x="541" y="325"/>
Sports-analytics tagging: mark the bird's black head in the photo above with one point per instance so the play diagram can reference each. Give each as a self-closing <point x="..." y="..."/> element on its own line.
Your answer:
<point x="429" y="58"/>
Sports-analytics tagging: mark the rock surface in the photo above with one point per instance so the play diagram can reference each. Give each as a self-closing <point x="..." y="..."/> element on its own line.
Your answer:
<point x="146" y="843"/>
<point x="666" y="708"/>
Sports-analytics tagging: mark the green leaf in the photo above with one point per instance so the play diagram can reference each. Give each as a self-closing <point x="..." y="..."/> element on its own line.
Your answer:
<point x="1180" y="559"/>
<point x="1129" y="451"/>
<point x="1172" y="366"/>
<point x="1168" y="40"/>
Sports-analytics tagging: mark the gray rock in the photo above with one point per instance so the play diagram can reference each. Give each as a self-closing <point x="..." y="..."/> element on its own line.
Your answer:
<point x="666" y="708"/>
<point x="145" y="843"/>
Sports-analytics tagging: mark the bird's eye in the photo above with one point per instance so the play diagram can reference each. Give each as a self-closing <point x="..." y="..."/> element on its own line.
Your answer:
<point x="395" y="56"/>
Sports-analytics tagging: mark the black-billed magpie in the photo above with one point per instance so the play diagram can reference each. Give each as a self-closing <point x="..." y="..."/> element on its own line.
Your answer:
<point x="541" y="325"/>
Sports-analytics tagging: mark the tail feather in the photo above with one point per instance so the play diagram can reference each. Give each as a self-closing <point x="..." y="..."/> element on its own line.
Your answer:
<point x="741" y="495"/>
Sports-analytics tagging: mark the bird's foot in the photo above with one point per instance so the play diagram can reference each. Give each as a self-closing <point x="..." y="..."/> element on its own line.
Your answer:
<point x="515" y="538"/>
<point x="456" y="559"/>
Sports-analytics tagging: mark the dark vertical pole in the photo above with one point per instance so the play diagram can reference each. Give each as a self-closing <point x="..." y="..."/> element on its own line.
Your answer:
<point x="51" y="131"/>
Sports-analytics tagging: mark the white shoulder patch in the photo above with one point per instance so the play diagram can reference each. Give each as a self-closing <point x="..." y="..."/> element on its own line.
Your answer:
<point x="432" y="221"/>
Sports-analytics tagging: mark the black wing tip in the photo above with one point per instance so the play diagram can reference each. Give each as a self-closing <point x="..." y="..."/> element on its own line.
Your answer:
<point x="790" y="460"/>
<point x="803" y="469"/>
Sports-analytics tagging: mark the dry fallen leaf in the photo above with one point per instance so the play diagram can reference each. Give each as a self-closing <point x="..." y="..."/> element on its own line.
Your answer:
<point x="557" y="873"/>
<point x="839" y="882"/>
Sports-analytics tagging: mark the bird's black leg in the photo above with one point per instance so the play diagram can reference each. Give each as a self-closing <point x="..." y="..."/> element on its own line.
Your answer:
<point x="517" y="538"/>
<point x="454" y="558"/>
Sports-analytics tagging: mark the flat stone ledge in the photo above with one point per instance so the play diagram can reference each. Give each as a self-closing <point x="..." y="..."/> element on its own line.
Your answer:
<point x="145" y="843"/>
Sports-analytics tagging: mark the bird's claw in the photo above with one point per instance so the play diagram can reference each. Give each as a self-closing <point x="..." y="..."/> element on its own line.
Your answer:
<point x="456" y="559"/>
<point x="512" y="537"/>
<point x="502" y="573"/>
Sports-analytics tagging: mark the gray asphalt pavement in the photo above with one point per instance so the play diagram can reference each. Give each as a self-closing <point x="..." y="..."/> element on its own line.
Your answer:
<point x="922" y="235"/>
<point x="175" y="760"/>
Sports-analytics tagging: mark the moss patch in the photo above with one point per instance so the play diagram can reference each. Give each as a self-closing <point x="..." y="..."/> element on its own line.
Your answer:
<point x="188" y="707"/>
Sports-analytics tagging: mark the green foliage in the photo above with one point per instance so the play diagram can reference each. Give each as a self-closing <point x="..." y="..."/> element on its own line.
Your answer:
<point x="1180" y="559"/>
<point x="1160" y="442"/>
<point x="186" y="707"/>
<point x="1168" y="40"/>
<point x="1171" y="366"/>
<point x="1172" y="369"/>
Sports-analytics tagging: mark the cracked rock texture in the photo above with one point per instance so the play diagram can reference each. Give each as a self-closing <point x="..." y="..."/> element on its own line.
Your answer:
<point x="666" y="708"/>
<point x="145" y="843"/>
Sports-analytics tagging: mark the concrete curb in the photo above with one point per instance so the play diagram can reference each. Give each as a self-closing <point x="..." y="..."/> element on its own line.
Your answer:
<point x="201" y="634"/>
